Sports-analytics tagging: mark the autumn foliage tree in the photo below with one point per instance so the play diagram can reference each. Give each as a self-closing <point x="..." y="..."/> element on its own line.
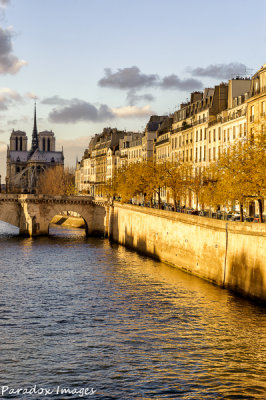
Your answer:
<point x="240" y="175"/>
<point x="56" y="181"/>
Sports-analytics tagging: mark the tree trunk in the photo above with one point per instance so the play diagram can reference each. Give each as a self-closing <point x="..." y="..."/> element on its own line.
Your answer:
<point x="159" y="198"/>
<point x="260" y="210"/>
<point x="241" y="213"/>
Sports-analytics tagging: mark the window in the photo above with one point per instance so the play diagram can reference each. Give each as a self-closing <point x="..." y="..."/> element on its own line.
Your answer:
<point x="263" y="109"/>
<point x="240" y="130"/>
<point x="201" y="134"/>
<point x="205" y="133"/>
<point x="196" y="136"/>
<point x="228" y="134"/>
<point x="252" y="114"/>
<point x="210" y="155"/>
<point x="214" y="153"/>
<point x="224" y="135"/>
<point x="234" y="132"/>
<point x="196" y="157"/>
<point x="214" y="135"/>
<point x="251" y="134"/>
<point x="190" y="154"/>
<point x="209" y="136"/>
<point x="200" y="154"/>
<point x="219" y="133"/>
<point x="204" y="154"/>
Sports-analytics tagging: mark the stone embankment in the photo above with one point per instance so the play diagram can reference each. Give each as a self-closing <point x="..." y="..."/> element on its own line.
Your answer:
<point x="229" y="254"/>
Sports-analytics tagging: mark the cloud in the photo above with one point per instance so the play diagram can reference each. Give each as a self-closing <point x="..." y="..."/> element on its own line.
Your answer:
<point x="174" y="82"/>
<point x="31" y="95"/>
<point x="79" y="110"/>
<point x="8" y="97"/>
<point x="4" y="3"/>
<point x="221" y="71"/>
<point x="9" y="63"/>
<point x="133" y="79"/>
<point x="56" y="101"/>
<point x="134" y="98"/>
<point x="127" y="78"/>
<point x="22" y="120"/>
<point x="132" y="112"/>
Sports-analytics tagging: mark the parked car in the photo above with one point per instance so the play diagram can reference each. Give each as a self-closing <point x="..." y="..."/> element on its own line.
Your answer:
<point x="194" y="212"/>
<point x="248" y="219"/>
<point x="235" y="218"/>
<point x="203" y="213"/>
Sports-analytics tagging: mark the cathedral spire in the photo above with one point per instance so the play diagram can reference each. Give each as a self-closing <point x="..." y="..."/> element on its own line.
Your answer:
<point x="34" y="143"/>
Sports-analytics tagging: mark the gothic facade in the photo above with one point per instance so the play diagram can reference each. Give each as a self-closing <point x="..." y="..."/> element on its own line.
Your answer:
<point x="25" y="166"/>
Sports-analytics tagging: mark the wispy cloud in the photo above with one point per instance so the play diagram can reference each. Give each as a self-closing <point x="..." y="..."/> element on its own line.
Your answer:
<point x="220" y="71"/>
<point x="56" y="101"/>
<point x="4" y="3"/>
<point x="134" y="98"/>
<point x="132" y="112"/>
<point x="8" y="97"/>
<point x="9" y="63"/>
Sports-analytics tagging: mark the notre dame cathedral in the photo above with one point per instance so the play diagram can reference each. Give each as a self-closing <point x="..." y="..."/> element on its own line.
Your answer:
<point x="24" y="167"/>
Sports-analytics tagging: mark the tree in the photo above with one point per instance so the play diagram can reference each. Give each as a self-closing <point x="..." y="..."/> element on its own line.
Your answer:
<point x="175" y="180"/>
<point x="57" y="181"/>
<point x="240" y="173"/>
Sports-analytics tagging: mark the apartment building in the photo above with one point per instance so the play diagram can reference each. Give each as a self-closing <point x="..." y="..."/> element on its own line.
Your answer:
<point x="196" y="133"/>
<point x="162" y="144"/>
<point x="256" y="103"/>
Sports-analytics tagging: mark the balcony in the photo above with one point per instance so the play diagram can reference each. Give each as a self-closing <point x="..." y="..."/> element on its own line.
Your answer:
<point x="158" y="143"/>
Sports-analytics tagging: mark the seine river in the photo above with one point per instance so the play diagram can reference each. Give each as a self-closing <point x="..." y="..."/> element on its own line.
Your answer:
<point x="82" y="318"/>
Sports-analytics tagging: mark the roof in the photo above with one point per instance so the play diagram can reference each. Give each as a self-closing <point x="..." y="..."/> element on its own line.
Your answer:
<point x="37" y="156"/>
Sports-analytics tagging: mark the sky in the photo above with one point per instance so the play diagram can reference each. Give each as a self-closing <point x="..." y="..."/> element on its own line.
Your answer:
<point x="93" y="64"/>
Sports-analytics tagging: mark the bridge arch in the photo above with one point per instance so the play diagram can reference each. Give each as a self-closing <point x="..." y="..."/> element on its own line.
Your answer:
<point x="33" y="213"/>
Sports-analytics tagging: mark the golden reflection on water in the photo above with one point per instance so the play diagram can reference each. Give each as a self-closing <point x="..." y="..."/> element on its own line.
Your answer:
<point x="88" y="309"/>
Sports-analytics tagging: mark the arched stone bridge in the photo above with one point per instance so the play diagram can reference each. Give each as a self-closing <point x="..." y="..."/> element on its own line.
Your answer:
<point x="32" y="214"/>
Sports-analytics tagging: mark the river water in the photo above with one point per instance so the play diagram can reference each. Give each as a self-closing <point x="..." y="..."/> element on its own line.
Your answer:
<point x="80" y="314"/>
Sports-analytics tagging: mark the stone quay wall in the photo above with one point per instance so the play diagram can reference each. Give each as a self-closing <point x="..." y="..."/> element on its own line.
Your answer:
<point x="229" y="254"/>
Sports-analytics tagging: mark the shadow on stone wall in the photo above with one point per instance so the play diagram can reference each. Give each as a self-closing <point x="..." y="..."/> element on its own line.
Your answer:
<point x="139" y="245"/>
<point x="246" y="278"/>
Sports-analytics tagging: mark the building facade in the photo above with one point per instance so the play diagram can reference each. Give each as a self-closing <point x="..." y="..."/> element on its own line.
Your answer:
<point x="198" y="132"/>
<point x="23" y="166"/>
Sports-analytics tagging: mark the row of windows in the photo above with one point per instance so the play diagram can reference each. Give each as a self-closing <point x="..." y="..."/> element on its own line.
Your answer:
<point x="213" y="135"/>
